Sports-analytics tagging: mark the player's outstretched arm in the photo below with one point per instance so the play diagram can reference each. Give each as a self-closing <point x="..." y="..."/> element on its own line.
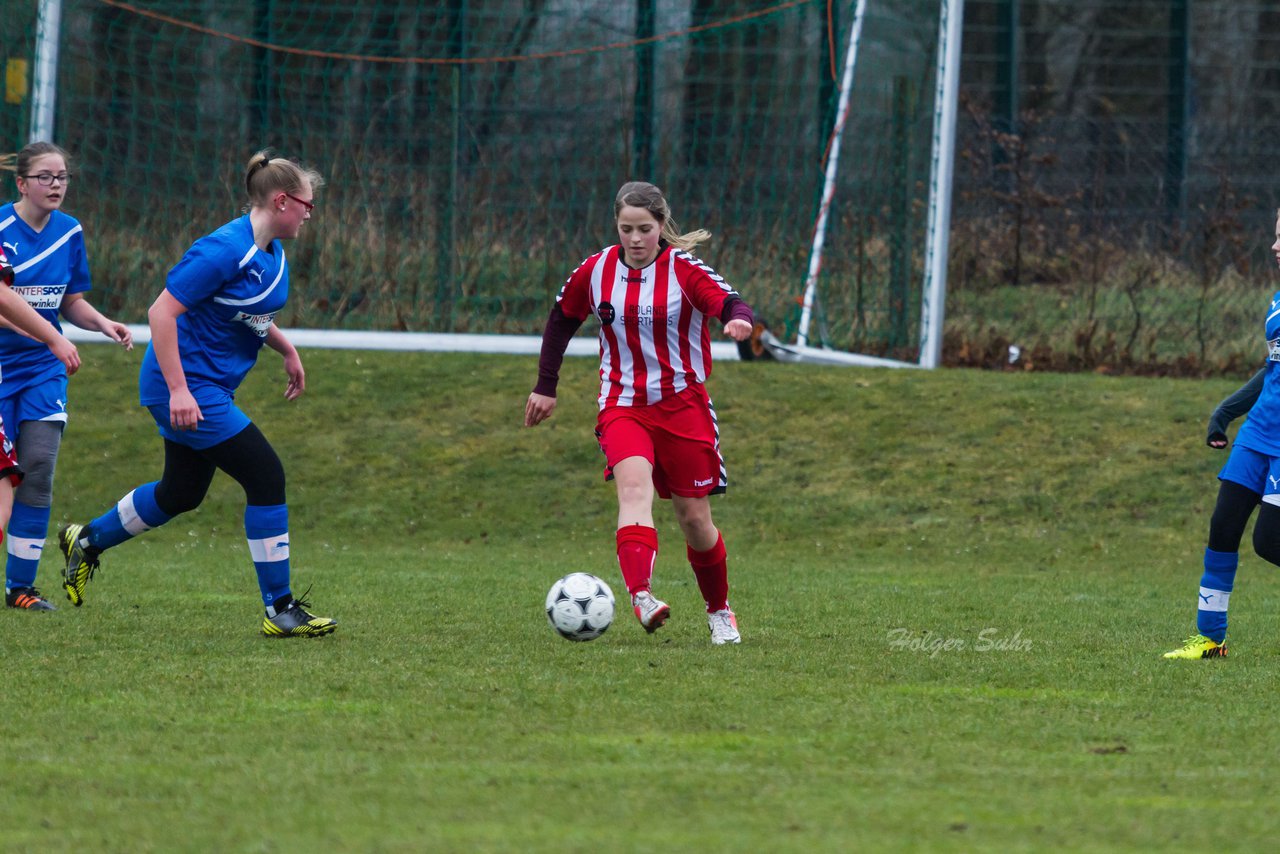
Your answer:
<point x="77" y="309"/>
<point x="1236" y="404"/>
<point x="555" y="340"/>
<point x="738" y="318"/>
<point x="184" y="412"/>
<point x="25" y="318"/>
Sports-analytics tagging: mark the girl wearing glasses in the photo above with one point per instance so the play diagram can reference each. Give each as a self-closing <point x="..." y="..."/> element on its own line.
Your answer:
<point x="215" y="313"/>
<point x="51" y="273"/>
<point x="656" y="425"/>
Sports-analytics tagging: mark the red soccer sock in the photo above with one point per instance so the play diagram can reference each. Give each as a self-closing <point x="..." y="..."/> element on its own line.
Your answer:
<point x="637" y="551"/>
<point x="712" y="571"/>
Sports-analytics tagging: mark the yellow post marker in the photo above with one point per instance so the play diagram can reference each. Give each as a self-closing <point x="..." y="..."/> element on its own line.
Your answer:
<point x="15" y="81"/>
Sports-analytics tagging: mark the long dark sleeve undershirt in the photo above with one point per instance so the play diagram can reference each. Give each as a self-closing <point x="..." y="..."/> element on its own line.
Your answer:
<point x="736" y="308"/>
<point x="561" y="328"/>
<point x="555" y="340"/>
<point x="1237" y="404"/>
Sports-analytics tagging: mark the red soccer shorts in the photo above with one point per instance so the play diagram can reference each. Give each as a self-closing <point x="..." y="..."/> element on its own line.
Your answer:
<point x="8" y="460"/>
<point x="677" y="435"/>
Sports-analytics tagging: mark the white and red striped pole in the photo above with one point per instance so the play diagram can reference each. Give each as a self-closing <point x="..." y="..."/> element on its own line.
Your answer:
<point x="829" y="182"/>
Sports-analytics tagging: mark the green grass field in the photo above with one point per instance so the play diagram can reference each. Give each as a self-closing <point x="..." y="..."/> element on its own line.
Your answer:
<point x="953" y="587"/>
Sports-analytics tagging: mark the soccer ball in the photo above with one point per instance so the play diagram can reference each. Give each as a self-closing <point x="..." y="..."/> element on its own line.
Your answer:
<point x="580" y="606"/>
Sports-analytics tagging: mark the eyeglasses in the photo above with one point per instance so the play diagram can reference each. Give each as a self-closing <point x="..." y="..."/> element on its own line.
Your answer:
<point x="47" y="179"/>
<point x="310" y="206"/>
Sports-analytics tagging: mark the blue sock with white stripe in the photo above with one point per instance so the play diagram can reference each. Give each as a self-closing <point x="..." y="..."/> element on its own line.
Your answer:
<point x="135" y="513"/>
<point x="28" y="528"/>
<point x="267" y="530"/>
<point x="1215" y="592"/>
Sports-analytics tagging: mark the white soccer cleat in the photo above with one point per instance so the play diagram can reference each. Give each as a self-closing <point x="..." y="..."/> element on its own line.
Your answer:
<point x="651" y="612"/>
<point x="724" y="627"/>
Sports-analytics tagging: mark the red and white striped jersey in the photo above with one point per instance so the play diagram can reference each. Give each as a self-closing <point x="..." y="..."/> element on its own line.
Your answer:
<point x="654" y="338"/>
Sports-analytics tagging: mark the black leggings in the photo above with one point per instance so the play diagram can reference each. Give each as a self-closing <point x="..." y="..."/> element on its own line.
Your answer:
<point x="247" y="456"/>
<point x="1231" y="515"/>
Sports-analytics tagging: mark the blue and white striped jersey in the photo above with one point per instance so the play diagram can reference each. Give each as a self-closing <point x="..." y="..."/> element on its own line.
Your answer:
<point x="232" y="291"/>
<point x="47" y="265"/>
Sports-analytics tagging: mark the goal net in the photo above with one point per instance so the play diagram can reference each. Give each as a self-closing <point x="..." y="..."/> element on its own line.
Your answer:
<point x="880" y="292"/>
<point x="472" y="147"/>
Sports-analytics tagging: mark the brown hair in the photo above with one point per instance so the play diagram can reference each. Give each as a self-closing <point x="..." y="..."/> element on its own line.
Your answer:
<point x="21" y="162"/>
<point x="640" y="194"/>
<point x="265" y="176"/>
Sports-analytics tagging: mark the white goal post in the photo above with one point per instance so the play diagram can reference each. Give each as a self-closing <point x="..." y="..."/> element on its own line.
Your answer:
<point x="941" y="172"/>
<point x="45" y="88"/>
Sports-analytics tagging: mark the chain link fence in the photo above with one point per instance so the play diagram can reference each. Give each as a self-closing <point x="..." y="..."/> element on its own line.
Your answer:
<point x="1114" y="195"/>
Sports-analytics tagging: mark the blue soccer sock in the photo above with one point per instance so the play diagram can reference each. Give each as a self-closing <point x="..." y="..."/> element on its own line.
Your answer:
<point x="267" y="530"/>
<point x="1215" y="592"/>
<point x="135" y="513"/>
<point x="28" y="528"/>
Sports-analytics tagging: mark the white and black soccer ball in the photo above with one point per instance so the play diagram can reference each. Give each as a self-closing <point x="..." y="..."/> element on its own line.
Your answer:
<point x="580" y="606"/>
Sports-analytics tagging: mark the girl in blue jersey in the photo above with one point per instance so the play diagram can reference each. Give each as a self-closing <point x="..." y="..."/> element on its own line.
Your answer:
<point x="215" y="313"/>
<point x="1249" y="480"/>
<point x="51" y="273"/>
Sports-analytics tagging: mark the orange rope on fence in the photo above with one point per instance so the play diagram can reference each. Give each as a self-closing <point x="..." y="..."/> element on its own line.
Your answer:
<point x="479" y="60"/>
<point x="831" y="38"/>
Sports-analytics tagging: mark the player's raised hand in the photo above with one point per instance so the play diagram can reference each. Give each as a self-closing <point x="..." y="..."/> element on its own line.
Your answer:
<point x="738" y="329"/>
<point x="538" y="409"/>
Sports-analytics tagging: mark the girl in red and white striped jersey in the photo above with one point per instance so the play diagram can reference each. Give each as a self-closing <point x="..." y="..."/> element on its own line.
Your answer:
<point x="656" y="425"/>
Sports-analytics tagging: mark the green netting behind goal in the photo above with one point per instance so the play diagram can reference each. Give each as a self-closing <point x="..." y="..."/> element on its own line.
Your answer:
<point x="472" y="148"/>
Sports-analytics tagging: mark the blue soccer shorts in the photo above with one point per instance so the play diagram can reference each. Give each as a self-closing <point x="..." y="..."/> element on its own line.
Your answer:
<point x="43" y="400"/>
<point x="1254" y="470"/>
<point x="220" y="420"/>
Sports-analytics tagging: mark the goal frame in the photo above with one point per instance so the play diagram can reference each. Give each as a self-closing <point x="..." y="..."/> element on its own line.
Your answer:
<point x="938" y="228"/>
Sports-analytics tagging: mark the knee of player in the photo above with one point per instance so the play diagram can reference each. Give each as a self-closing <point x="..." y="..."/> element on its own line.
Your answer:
<point x="175" y="499"/>
<point x="634" y="493"/>
<point x="1266" y="543"/>
<point x="36" y="489"/>
<point x="694" y="515"/>
<point x="180" y="503"/>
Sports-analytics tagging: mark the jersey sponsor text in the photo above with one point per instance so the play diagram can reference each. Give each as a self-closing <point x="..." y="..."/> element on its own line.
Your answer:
<point x="42" y="296"/>
<point x="259" y="323"/>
